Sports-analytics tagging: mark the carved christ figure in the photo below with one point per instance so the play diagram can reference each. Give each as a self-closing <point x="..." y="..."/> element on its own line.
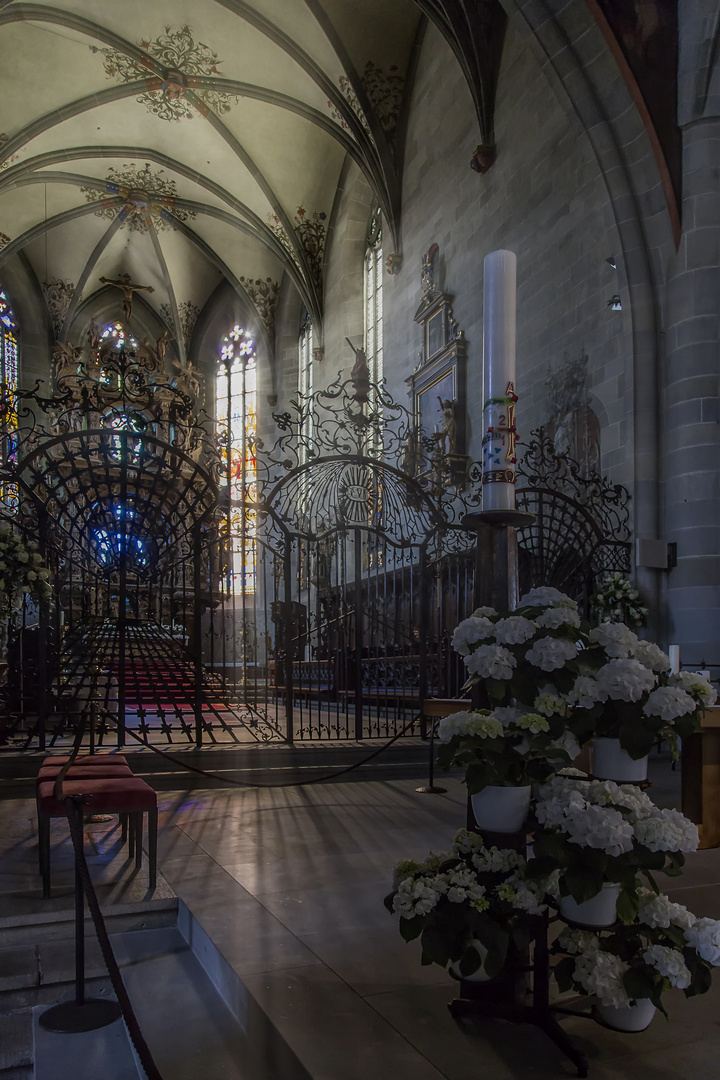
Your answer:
<point x="128" y="288"/>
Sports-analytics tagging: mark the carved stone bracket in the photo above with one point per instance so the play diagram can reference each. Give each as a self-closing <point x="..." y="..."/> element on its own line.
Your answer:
<point x="475" y="31"/>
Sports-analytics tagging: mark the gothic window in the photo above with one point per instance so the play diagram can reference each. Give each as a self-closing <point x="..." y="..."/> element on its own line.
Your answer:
<point x="115" y="332"/>
<point x="373" y="297"/>
<point x="236" y="412"/>
<point x="8" y="388"/>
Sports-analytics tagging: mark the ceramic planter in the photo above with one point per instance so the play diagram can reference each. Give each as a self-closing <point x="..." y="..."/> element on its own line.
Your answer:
<point x="600" y="910"/>
<point x="501" y="809"/>
<point x="611" y="762"/>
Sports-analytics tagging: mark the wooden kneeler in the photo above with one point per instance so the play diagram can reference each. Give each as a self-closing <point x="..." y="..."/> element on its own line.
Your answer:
<point x="124" y="795"/>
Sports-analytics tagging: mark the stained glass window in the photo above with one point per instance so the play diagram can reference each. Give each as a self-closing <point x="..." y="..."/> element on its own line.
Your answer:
<point x="374" y="297"/>
<point x="8" y="390"/>
<point x="236" y="418"/>
<point x="115" y="332"/>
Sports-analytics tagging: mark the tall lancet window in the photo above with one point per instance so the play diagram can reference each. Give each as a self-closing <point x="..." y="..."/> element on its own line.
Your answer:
<point x="373" y="297"/>
<point x="236" y="417"/>
<point x="8" y="395"/>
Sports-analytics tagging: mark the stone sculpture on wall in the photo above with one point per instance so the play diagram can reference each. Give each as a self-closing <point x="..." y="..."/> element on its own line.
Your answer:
<point x="572" y="425"/>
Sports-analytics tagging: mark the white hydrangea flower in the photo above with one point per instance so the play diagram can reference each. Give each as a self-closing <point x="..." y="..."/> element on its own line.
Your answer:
<point x="495" y="862"/>
<point x="669" y="702"/>
<point x="550" y="703"/>
<point x="486" y="727"/>
<point x="546" y="596"/>
<point x="549" y="653"/>
<point x="462" y="884"/>
<point x="586" y="692"/>
<point x="601" y="973"/>
<point x="466" y="841"/>
<point x="669" y="963"/>
<point x="695" y="684"/>
<point x="617" y="639"/>
<point x="455" y="724"/>
<point x="552" y="618"/>
<point x="523" y="895"/>
<point x="573" y="940"/>
<point x="417" y="897"/>
<point x="667" y="830"/>
<point x="491" y="662"/>
<point x="469" y="632"/>
<point x="704" y="937"/>
<point x="657" y="911"/>
<point x="532" y="722"/>
<point x="601" y="827"/>
<point x="625" y="680"/>
<point x="514" y="630"/>
<point x="567" y="743"/>
<point x="652" y="656"/>
<point x="484" y="612"/>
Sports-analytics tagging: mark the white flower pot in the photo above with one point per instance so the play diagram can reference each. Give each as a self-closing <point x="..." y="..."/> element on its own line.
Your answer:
<point x="630" y="1018"/>
<point x="611" y="762"/>
<point x="477" y="976"/>
<point x="501" y="809"/>
<point x="600" y="910"/>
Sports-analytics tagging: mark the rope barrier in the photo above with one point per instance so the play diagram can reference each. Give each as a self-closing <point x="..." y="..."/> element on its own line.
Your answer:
<point x="272" y="784"/>
<point x="74" y="809"/>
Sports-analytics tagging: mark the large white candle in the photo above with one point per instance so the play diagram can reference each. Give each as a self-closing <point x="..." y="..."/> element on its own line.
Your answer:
<point x="499" y="332"/>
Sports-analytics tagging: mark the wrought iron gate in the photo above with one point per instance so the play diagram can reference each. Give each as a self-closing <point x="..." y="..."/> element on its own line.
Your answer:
<point x="310" y="597"/>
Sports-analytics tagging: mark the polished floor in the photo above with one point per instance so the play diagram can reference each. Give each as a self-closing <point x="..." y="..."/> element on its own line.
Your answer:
<point x="281" y="895"/>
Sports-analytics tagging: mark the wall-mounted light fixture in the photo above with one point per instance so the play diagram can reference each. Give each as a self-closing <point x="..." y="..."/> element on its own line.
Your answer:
<point x="611" y="262"/>
<point x="614" y="303"/>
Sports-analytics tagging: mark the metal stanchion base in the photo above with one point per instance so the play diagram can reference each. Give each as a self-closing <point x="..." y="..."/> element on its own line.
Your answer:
<point x="69" y="1018"/>
<point x="431" y="790"/>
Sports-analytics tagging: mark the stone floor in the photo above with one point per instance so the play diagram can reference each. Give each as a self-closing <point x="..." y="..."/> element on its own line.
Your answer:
<point x="281" y="895"/>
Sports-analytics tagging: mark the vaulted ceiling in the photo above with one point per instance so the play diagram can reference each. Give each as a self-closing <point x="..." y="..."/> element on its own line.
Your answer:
<point x="189" y="141"/>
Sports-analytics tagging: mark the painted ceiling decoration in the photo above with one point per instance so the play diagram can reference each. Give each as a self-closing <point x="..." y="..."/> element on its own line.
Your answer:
<point x="187" y="315"/>
<point x="183" y="59"/>
<point x="264" y="295"/>
<point x="150" y="198"/>
<point x="58" y="297"/>
<point x="310" y="230"/>
<point x="187" y="150"/>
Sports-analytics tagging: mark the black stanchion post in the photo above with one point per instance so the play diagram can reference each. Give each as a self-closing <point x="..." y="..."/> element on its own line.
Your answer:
<point x="73" y="1017"/>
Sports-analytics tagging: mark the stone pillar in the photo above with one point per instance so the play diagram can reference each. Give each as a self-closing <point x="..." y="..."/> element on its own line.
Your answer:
<point x="692" y="384"/>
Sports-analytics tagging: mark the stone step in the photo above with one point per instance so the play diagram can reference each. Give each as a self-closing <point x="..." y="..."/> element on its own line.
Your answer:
<point x="16" y="1040"/>
<point x="35" y="928"/>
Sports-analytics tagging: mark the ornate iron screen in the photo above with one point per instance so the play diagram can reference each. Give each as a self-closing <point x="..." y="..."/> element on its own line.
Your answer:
<point x="361" y="566"/>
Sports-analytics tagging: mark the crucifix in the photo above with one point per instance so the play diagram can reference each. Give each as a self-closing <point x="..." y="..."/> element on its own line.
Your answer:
<point x="128" y="288"/>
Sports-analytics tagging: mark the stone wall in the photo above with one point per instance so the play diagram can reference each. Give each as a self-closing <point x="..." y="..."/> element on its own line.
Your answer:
<point x="546" y="200"/>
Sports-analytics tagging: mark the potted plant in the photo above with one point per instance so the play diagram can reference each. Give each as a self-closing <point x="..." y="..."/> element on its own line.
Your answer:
<point x="601" y="836"/>
<point x="615" y="600"/>
<point x="22" y="572"/>
<point x="603" y="682"/>
<point x="468" y="906"/>
<point x="504" y="752"/>
<point x="629" y="968"/>
<point x="625" y="697"/>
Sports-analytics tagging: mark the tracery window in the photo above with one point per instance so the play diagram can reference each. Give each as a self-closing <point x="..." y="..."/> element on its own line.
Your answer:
<point x="115" y="332"/>
<point x="8" y="391"/>
<point x="236" y="419"/>
<point x="374" y="297"/>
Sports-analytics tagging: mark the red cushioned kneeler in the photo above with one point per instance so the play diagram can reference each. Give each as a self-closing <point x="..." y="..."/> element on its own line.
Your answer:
<point x="113" y="795"/>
